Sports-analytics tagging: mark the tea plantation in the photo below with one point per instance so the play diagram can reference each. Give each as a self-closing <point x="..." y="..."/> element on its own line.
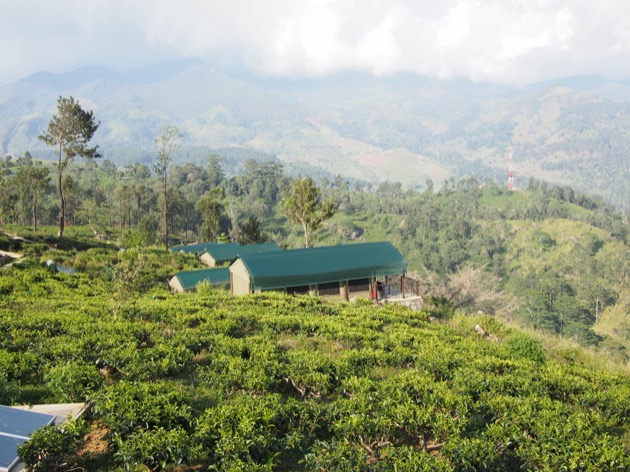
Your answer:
<point x="206" y="381"/>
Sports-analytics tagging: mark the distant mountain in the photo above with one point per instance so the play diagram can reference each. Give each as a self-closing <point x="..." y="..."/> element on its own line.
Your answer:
<point x="403" y="127"/>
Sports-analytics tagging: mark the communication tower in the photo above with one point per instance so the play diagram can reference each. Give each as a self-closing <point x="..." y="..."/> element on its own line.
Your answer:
<point x="510" y="182"/>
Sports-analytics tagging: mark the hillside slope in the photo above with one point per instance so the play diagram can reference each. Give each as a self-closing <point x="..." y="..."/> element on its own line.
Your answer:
<point x="275" y="382"/>
<point x="551" y="258"/>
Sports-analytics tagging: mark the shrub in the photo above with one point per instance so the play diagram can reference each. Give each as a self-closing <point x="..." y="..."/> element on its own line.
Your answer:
<point x="156" y="448"/>
<point x="8" y="244"/>
<point x="127" y="407"/>
<point x="522" y="346"/>
<point x="440" y="308"/>
<point x="204" y="288"/>
<point x="51" y="448"/>
<point x="74" y="381"/>
<point x="7" y="390"/>
<point x="35" y="249"/>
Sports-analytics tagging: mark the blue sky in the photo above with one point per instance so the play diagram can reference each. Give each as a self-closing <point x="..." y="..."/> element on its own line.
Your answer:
<point x="500" y="41"/>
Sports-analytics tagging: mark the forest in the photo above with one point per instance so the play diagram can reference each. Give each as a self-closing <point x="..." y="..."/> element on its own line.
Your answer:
<point x="203" y="380"/>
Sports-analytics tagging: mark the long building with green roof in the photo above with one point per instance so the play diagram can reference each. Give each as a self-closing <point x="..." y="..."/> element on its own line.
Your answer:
<point x="188" y="280"/>
<point x="330" y="270"/>
<point x="217" y="254"/>
<point x="227" y="253"/>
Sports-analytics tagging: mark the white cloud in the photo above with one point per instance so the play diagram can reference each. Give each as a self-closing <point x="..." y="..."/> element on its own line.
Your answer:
<point x="454" y="26"/>
<point x="491" y="40"/>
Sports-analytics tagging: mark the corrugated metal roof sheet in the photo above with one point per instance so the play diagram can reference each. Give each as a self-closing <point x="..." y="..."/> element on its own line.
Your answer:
<point x="217" y="277"/>
<point x="229" y="252"/>
<point x="319" y="265"/>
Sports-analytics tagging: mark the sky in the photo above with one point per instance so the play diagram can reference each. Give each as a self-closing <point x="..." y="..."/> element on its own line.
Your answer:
<point x="498" y="41"/>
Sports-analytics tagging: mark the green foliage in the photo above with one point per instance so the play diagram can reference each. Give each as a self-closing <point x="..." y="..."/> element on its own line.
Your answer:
<point x="550" y="257"/>
<point x="69" y="132"/>
<point x="156" y="448"/>
<point x="524" y="347"/>
<point x="8" y="391"/>
<point x="302" y="205"/>
<point x="34" y="182"/>
<point x="204" y="288"/>
<point x="73" y="382"/>
<point x="203" y="380"/>
<point x="251" y="232"/>
<point x="167" y="142"/>
<point x="440" y="308"/>
<point x="52" y="448"/>
<point x="210" y="208"/>
<point x="126" y="407"/>
<point x="9" y="244"/>
<point x="35" y="249"/>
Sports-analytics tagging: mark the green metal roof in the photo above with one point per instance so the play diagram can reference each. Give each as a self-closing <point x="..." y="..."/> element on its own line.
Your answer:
<point x="217" y="277"/>
<point x="319" y="265"/>
<point x="226" y="252"/>
<point x="229" y="252"/>
<point x="199" y="248"/>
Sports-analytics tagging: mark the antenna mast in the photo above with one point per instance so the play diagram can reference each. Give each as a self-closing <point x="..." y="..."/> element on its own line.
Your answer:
<point x="510" y="182"/>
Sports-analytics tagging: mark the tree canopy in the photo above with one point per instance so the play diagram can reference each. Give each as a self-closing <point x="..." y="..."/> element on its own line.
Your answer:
<point x="302" y="204"/>
<point x="70" y="132"/>
<point x="167" y="142"/>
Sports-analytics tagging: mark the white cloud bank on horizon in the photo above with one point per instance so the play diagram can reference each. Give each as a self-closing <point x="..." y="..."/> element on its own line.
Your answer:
<point x="517" y="41"/>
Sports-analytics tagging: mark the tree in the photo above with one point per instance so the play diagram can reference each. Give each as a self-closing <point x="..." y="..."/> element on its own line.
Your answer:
<point x="251" y="232"/>
<point x="473" y="289"/>
<point x="262" y="181"/>
<point x="210" y="208"/>
<point x="33" y="182"/>
<point x="215" y="171"/>
<point x="69" y="131"/>
<point x="302" y="204"/>
<point x="167" y="142"/>
<point x="9" y="200"/>
<point x="234" y="212"/>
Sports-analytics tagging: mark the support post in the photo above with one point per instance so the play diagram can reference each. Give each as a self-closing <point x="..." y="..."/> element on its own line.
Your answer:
<point x="344" y="290"/>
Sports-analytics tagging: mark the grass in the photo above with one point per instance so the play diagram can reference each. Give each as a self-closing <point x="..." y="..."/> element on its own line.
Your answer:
<point x="537" y="245"/>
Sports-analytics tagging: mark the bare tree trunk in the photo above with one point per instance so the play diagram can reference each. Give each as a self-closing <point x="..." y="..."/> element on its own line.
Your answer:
<point x="306" y="235"/>
<point x="165" y="214"/>
<point x="35" y="213"/>
<point x="62" y="197"/>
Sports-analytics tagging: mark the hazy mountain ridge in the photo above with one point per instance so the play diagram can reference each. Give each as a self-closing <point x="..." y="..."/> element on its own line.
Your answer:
<point x="403" y="127"/>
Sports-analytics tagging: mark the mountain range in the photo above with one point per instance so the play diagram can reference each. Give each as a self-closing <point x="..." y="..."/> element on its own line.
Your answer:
<point x="406" y="128"/>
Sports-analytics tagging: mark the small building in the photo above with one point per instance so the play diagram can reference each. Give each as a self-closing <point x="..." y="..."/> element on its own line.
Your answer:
<point x="185" y="281"/>
<point x="332" y="271"/>
<point x="220" y="254"/>
<point x="197" y="249"/>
